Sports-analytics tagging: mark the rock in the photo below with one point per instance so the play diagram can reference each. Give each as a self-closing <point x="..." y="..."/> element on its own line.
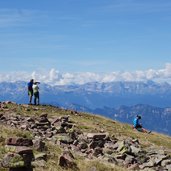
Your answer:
<point x="39" y="145"/>
<point x="97" y="143"/>
<point x="43" y="115"/>
<point x="49" y="134"/>
<point x="8" y="102"/>
<point x="2" y="118"/>
<point x="159" y="158"/>
<point x="166" y="162"/>
<point x="19" y="142"/>
<point x="92" y="169"/>
<point x="41" y="156"/>
<point x="73" y="134"/>
<point x="97" y="136"/>
<point x="121" y="146"/>
<point x="111" y="145"/>
<point x="142" y="157"/>
<point x="97" y="151"/>
<point x="43" y="118"/>
<point x="133" y="167"/>
<point x="136" y="141"/>
<point x="149" y="164"/>
<point x="56" y="120"/>
<point x="67" y="160"/>
<point x="168" y="167"/>
<point x="135" y="150"/>
<point x="83" y="145"/>
<point x="12" y="160"/>
<point x="65" y="139"/>
<point x="65" y="124"/>
<point x="24" y="126"/>
<point x="24" y="150"/>
<point x="129" y="160"/>
<point x="30" y="119"/>
<point x="64" y="118"/>
<point x="42" y="124"/>
<point x="111" y="160"/>
<point x="69" y="125"/>
<point x="60" y="129"/>
<point x="39" y="163"/>
<point x="120" y="156"/>
<point x="18" y="149"/>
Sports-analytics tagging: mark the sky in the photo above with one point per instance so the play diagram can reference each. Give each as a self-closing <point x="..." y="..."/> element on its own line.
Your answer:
<point x="58" y="38"/>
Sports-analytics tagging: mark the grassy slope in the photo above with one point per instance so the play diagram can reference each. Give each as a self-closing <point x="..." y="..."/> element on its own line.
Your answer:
<point x="86" y="123"/>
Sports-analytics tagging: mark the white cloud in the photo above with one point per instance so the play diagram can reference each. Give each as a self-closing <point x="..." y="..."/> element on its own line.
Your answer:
<point x="54" y="77"/>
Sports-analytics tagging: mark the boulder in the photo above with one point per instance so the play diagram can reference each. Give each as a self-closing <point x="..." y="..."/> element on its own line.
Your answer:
<point x="133" y="167"/>
<point x="168" y="167"/>
<point x="97" y="136"/>
<point x="56" y="120"/>
<point x="64" y="118"/>
<point x="39" y="145"/>
<point x="166" y="162"/>
<point x="110" y="159"/>
<point x="159" y="158"/>
<point x="135" y="150"/>
<point x="67" y="160"/>
<point x="97" y="143"/>
<point x="65" y="139"/>
<point x="18" y="149"/>
<point x="39" y="163"/>
<point x="43" y="115"/>
<point x="19" y="142"/>
<point x="60" y="129"/>
<point x="41" y="156"/>
<point x="12" y="160"/>
<point x="147" y="165"/>
<point x="129" y="160"/>
<point x="82" y="145"/>
<point x="97" y="151"/>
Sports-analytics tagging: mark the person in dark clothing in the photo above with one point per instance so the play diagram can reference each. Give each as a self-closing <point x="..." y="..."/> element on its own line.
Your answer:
<point x="136" y="122"/>
<point x="138" y="126"/>
<point x="30" y="90"/>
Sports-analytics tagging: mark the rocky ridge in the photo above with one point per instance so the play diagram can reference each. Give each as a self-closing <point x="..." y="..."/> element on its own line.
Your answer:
<point x="62" y="131"/>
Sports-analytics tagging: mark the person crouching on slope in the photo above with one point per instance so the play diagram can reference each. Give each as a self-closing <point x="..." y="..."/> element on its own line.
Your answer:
<point x="36" y="93"/>
<point x="138" y="126"/>
<point x="30" y="90"/>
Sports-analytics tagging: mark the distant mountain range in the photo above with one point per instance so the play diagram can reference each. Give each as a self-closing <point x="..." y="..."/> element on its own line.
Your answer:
<point x="153" y="118"/>
<point x="117" y="100"/>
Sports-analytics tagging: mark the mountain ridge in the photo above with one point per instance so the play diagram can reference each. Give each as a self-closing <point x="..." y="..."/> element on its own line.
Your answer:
<point x="111" y="94"/>
<point x="104" y="99"/>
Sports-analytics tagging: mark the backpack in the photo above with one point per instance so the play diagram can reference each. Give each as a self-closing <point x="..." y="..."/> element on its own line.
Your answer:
<point x="30" y="88"/>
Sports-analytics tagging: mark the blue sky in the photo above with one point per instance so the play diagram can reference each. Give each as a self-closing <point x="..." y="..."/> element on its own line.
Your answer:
<point x="84" y="35"/>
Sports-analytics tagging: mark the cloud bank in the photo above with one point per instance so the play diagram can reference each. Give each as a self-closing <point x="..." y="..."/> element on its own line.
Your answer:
<point x="54" y="77"/>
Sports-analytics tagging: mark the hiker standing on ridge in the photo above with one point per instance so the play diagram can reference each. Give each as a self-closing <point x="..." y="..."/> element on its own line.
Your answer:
<point x="36" y="93"/>
<point x="30" y="90"/>
<point x="138" y="126"/>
